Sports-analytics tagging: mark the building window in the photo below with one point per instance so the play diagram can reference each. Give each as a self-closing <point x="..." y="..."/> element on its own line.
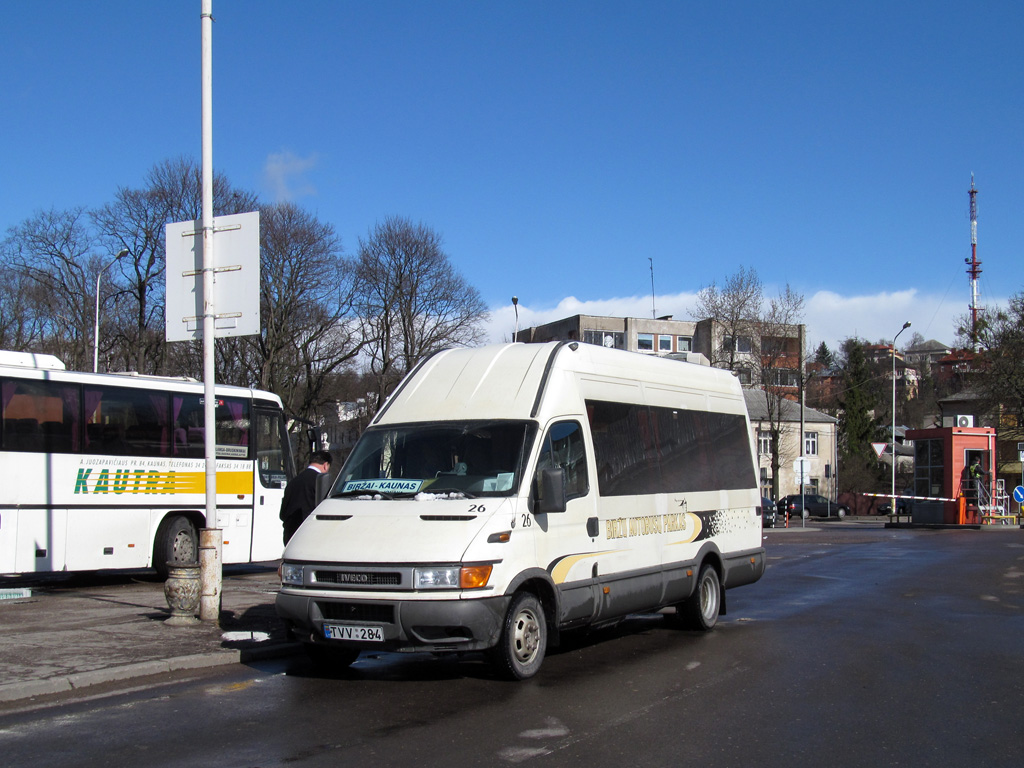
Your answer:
<point x="664" y="343"/>
<point x="612" y="339"/>
<point x="744" y="375"/>
<point x="741" y="343"/>
<point x="810" y="443"/>
<point x="772" y="346"/>
<point x="764" y="442"/>
<point x="929" y="469"/>
<point x="784" y="377"/>
<point x="684" y="343"/>
<point x="645" y="342"/>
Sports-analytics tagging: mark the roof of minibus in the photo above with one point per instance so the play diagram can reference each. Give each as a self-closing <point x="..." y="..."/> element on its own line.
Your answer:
<point x="502" y="381"/>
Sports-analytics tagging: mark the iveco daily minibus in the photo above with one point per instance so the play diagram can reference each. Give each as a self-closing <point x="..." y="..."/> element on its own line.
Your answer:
<point x="509" y="493"/>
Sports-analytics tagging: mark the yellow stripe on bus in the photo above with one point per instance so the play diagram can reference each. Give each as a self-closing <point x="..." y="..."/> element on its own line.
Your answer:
<point x="131" y="481"/>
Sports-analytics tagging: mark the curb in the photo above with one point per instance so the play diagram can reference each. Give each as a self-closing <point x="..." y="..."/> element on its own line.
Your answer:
<point x="65" y="684"/>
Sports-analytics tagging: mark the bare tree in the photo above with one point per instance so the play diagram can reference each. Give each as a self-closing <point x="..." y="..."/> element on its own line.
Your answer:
<point x="306" y="293"/>
<point x="736" y="309"/>
<point x="133" y="227"/>
<point x="177" y="188"/>
<point x="55" y="250"/>
<point x="21" y="317"/>
<point x="779" y="365"/>
<point x="410" y="300"/>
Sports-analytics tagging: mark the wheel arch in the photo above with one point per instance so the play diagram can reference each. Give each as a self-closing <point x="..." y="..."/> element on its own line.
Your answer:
<point x="538" y="582"/>
<point x="712" y="555"/>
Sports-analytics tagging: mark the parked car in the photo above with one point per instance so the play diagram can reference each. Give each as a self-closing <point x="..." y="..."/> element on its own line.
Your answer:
<point x="902" y="507"/>
<point x="769" y="515"/>
<point x="811" y="504"/>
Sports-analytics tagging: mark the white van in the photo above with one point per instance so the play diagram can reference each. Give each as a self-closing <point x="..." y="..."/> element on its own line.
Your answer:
<point x="508" y="493"/>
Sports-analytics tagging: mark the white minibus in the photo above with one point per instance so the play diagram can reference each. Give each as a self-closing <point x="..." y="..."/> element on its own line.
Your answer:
<point x="507" y="494"/>
<point x="103" y="471"/>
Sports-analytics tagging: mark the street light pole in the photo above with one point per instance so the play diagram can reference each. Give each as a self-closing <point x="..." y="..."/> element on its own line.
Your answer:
<point x="96" y="328"/>
<point x="901" y="330"/>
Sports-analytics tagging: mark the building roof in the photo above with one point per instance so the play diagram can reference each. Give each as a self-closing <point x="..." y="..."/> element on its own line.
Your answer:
<point x="757" y="407"/>
<point x="929" y="346"/>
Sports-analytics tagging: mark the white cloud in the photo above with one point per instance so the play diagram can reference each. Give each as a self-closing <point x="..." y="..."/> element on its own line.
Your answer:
<point x="829" y="316"/>
<point x="284" y="175"/>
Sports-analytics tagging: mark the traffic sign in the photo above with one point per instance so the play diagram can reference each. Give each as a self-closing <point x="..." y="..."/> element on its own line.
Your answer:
<point x="879" y="448"/>
<point x="1018" y="494"/>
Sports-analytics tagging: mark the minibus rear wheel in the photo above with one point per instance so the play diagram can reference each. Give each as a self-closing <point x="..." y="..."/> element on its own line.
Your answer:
<point x="700" y="610"/>
<point x="524" y="639"/>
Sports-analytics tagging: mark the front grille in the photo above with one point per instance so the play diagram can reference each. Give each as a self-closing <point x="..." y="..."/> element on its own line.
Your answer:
<point x="358" y="578"/>
<point x="381" y="614"/>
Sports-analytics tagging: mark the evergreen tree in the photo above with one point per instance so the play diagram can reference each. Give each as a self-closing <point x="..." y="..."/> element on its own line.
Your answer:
<point x="859" y="468"/>
<point x="823" y="356"/>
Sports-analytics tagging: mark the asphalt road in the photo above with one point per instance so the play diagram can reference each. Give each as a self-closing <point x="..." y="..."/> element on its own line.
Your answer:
<point x="861" y="646"/>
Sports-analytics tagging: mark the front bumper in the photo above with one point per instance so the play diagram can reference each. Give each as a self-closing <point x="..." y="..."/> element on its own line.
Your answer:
<point x="407" y="625"/>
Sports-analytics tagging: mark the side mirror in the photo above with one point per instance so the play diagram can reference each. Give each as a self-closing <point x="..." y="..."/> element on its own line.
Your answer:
<point x="549" y="490"/>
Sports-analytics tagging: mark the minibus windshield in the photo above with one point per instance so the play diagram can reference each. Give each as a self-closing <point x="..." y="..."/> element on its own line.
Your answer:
<point x="464" y="459"/>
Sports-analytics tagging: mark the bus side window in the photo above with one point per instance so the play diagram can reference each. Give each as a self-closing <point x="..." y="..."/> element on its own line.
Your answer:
<point x="563" y="448"/>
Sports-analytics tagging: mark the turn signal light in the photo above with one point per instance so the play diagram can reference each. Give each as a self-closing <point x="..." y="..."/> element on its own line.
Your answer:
<point x="474" y="576"/>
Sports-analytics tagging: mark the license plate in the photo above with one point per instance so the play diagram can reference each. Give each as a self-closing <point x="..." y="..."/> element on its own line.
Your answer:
<point x="354" y="632"/>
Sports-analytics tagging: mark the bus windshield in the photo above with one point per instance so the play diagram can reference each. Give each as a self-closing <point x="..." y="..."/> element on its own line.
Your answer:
<point x="467" y="459"/>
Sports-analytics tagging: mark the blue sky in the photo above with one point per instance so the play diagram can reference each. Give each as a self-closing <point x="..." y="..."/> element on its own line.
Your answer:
<point x="557" y="146"/>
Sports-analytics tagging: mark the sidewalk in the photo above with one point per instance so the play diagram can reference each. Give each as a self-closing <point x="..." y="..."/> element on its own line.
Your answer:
<point x="77" y="631"/>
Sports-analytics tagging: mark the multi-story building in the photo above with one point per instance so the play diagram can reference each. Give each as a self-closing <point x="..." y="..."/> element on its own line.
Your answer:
<point x="661" y="336"/>
<point x="757" y="352"/>
<point x="819" y="449"/>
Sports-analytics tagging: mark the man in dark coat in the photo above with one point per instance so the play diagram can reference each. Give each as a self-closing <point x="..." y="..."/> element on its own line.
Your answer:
<point x="300" y="494"/>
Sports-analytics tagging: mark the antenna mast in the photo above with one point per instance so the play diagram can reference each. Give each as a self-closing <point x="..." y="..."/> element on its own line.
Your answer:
<point x="654" y="312"/>
<point x="974" y="266"/>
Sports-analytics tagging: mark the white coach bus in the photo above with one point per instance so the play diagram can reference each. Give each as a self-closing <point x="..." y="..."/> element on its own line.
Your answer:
<point x="105" y="471"/>
<point x="508" y="493"/>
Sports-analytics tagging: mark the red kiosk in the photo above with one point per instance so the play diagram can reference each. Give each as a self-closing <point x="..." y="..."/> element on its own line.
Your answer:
<point x="942" y="456"/>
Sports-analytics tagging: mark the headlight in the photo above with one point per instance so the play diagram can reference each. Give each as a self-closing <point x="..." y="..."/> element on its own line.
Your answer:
<point x="452" y="577"/>
<point x="291" y="574"/>
<point x="436" y="578"/>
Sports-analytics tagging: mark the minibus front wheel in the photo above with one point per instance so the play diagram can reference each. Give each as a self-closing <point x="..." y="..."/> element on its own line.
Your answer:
<point x="524" y="639"/>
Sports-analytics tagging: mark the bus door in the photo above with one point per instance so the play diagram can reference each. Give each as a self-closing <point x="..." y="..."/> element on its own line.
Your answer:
<point x="274" y="468"/>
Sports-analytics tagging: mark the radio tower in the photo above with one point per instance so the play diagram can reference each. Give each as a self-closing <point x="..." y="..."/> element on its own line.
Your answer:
<point x="974" y="266"/>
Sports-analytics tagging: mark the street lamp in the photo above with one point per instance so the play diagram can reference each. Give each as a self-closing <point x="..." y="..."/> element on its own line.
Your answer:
<point x="96" y="329"/>
<point x="901" y="330"/>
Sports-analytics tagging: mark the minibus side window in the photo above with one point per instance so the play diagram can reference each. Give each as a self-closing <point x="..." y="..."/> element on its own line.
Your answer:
<point x="563" y="448"/>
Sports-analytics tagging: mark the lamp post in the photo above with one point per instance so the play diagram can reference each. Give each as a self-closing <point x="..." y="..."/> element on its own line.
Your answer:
<point x="96" y="328"/>
<point x="515" y="306"/>
<point x="901" y="330"/>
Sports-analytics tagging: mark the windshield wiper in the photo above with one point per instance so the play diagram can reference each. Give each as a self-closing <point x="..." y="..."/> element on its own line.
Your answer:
<point x="460" y="491"/>
<point x="363" y="492"/>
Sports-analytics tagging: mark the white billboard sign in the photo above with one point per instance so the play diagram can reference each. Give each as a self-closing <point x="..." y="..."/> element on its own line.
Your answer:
<point x="236" y="292"/>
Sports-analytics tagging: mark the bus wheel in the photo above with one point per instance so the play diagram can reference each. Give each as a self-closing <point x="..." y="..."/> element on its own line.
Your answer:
<point x="331" y="661"/>
<point x="176" y="542"/>
<point x="700" y="610"/>
<point x="524" y="639"/>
